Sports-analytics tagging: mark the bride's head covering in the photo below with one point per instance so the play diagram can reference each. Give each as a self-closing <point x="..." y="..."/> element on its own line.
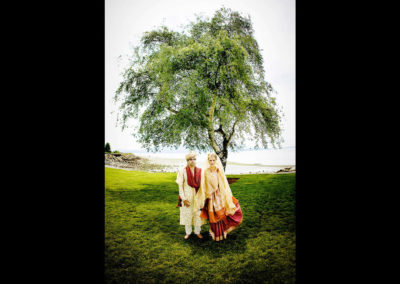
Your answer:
<point x="218" y="163"/>
<point x="225" y="190"/>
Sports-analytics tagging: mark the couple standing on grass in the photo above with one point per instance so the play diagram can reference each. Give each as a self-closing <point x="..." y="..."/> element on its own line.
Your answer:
<point x="206" y="195"/>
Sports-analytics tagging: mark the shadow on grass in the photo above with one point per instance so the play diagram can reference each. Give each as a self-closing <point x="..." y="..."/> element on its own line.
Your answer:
<point x="168" y="222"/>
<point x="235" y="243"/>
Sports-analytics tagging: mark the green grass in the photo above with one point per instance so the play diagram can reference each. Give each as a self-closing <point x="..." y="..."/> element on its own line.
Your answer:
<point x="144" y="242"/>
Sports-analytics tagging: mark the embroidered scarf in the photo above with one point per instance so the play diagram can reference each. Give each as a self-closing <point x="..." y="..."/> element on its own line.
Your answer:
<point x="193" y="181"/>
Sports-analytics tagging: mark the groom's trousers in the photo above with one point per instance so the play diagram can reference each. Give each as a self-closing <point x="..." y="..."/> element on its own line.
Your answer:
<point x="188" y="229"/>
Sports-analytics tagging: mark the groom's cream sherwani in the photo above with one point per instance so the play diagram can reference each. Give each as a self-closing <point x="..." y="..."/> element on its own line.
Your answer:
<point x="186" y="192"/>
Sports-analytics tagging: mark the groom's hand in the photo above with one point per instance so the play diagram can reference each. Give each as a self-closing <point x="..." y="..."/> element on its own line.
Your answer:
<point x="187" y="203"/>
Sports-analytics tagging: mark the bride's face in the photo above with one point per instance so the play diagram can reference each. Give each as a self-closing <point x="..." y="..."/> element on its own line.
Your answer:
<point x="211" y="160"/>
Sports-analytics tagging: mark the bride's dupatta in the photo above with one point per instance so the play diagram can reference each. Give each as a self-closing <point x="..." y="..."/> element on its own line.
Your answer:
<point x="224" y="189"/>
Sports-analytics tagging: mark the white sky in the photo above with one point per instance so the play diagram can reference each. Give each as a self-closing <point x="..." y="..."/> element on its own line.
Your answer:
<point x="274" y="29"/>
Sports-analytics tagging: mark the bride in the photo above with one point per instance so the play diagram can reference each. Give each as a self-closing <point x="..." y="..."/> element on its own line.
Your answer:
<point x="215" y="200"/>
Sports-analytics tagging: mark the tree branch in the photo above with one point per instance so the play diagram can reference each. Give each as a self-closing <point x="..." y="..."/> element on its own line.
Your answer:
<point x="216" y="75"/>
<point x="233" y="131"/>
<point x="220" y="130"/>
<point x="172" y="110"/>
<point x="210" y="125"/>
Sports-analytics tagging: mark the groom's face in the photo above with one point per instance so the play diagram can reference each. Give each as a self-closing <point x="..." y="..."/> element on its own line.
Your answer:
<point x="191" y="161"/>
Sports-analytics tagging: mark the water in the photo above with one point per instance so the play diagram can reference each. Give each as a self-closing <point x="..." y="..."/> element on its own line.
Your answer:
<point x="250" y="161"/>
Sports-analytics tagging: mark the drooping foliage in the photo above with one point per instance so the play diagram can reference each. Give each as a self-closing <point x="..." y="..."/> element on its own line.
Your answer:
<point x="203" y="87"/>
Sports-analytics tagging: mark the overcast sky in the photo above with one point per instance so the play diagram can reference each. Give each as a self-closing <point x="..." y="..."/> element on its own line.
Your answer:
<point x="274" y="29"/>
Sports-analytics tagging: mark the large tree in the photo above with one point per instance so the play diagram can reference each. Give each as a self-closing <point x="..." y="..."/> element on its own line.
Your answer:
<point x="203" y="88"/>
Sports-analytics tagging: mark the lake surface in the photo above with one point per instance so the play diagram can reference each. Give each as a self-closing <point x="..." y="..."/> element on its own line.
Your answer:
<point x="250" y="161"/>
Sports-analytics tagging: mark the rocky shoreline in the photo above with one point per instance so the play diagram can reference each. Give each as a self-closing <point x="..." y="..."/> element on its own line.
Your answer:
<point x="287" y="170"/>
<point x="129" y="161"/>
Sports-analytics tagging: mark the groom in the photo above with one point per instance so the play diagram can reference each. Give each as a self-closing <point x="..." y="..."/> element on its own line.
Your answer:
<point x="188" y="180"/>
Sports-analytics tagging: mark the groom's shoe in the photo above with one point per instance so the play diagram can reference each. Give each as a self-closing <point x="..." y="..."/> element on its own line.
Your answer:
<point x="186" y="237"/>
<point x="200" y="236"/>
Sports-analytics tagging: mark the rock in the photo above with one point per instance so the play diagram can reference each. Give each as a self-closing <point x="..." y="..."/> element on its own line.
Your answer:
<point x="287" y="170"/>
<point x="123" y="160"/>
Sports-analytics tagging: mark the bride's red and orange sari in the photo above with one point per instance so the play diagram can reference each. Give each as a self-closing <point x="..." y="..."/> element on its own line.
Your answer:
<point x="215" y="200"/>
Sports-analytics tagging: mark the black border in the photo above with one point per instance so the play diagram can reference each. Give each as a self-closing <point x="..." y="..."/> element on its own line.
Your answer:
<point x="59" y="66"/>
<point x="57" y="213"/>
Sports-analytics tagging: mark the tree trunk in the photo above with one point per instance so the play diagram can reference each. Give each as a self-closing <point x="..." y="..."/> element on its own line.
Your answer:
<point x="223" y="155"/>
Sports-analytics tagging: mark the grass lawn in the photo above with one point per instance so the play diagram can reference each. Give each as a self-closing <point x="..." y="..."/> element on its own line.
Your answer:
<point x="144" y="242"/>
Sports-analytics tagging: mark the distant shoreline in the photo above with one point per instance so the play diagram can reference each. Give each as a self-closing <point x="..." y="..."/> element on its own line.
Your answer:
<point x="130" y="162"/>
<point x="250" y="173"/>
<point x="180" y="161"/>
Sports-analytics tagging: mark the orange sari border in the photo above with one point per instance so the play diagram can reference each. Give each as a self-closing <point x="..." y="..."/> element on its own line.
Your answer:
<point x="218" y="215"/>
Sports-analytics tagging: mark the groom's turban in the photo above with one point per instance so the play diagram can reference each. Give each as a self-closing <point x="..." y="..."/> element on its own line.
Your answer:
<point x="191" y="154"/>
